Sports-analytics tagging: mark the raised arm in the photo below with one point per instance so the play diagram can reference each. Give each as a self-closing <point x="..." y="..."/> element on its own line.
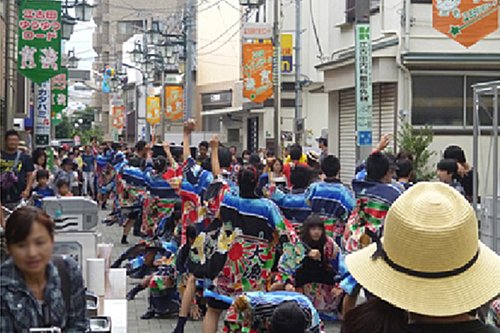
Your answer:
<point x="186" y="141"/>
<point x="170" y="157"/>
<point x="214" y="143"/>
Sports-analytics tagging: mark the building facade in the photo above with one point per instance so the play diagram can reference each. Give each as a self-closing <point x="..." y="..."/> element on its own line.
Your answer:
<point x="220" y="79"/>
<point x="419" y="75"/>
<point x="116" y="21"/>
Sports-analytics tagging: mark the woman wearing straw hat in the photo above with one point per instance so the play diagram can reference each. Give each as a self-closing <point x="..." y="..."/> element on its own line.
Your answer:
<point x="430" y="262"/>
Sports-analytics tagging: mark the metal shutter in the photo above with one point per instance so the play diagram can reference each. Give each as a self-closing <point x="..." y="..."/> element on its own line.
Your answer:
<point x="384" y="110"/>
<point x="347" y="135"/>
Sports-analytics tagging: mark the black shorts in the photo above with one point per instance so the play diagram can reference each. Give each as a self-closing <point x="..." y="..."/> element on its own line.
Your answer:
<point x="216" y="304"/>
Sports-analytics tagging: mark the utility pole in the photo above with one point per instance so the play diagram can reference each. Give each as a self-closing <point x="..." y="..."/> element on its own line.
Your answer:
<point x="299" y="122"/>
<point x="10" y="63"/>
<point x="363" y="61"/>
<point x="162" y="105"/>
<point x="145" y="79"/>
<point x="190" y="58"/>
<point x="277" y="78"/>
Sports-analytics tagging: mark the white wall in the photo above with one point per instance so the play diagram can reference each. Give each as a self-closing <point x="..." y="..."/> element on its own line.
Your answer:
<point x="219" y="59"/>
<point x="315" y="111"/>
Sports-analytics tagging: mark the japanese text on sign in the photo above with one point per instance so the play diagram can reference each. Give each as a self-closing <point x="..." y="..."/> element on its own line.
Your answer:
<point x="363" y="85"/>
<point x="39" y="35"/>
<point x="42" y="114"/>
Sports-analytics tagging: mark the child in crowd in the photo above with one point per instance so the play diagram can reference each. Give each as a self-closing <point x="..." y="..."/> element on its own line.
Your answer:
<point x="42" y="190"/>
<point x="63" y="189"/>
<point x="446" y="171"/>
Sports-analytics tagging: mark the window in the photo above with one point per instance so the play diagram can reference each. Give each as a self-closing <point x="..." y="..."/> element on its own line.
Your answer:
<point x="233" y="135"/>
<point x="448" y="100"/>
<point x="485" y="102"/>
<point x="128" y="27"/>
<point x="438" y="100"/>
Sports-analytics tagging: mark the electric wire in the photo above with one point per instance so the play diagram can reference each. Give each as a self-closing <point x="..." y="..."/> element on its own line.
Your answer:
<point x="315" y="30"/>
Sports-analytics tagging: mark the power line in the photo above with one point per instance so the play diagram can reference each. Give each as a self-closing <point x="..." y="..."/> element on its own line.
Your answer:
<point x="315" y="30"/>
<point x="222" y="34"/>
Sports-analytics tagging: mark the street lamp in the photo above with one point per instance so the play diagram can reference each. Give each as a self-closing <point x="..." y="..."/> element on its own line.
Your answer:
<point x="83" y="11"/>
<point x="72" y="59"/>
<point x="80" y="121"/>
<point x="154" y="35"/>
<point x="68" y="24"/>
<point x="137" y="53"/>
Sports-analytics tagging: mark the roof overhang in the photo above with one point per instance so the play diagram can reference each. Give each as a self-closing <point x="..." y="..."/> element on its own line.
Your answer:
<point x="451" y="60"/>
<point x="346" y="56"/>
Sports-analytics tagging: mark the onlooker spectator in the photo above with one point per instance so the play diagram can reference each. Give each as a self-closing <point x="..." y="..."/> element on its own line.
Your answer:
<point x="37" y="289"/>
<point x="88" y="170"/>
<point x="375" y="316"/>
<point x="430" y="262"/>
<point x="42" y="189"/>
<point x="67" y="172"/>
<point x="39" y="159"/>
<point x="63" y="188"/>
<point x="465" y="171"/>
<point x="446" y="172"/>
<point x="16" y="171"/>
<point x="323" y="147"/>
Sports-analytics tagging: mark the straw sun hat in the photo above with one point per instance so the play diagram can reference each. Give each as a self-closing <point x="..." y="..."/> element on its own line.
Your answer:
<point x="430" y="261"/>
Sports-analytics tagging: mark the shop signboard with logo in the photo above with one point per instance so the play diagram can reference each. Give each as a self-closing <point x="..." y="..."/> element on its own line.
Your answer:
<point x="42" y="114"/>
<point x="465" y="21"/>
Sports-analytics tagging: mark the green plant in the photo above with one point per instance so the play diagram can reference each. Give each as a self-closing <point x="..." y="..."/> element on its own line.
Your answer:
<point x="416" y="141"/>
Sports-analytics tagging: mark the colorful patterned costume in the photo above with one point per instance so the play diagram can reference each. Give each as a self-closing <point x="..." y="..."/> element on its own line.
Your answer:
<point x="333" y="202"/>
<point x="243" y="255"/>
<point x="317" y="281"/>
<point x="373" y="202"/>
<point x="293" y="205"/>
<point x="261" y="305"/>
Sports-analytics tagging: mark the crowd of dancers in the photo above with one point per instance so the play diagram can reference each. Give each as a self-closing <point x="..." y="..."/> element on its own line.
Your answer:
<point x="259" y="240"/>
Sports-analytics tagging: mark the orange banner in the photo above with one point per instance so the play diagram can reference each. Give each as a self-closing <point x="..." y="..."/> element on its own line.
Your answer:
<point x="118" y="116"/>
<point x="153" y="115"/>
<point x="257" y="72"/>
<point x="174" y="100"/>
<point x="465" y="21"/>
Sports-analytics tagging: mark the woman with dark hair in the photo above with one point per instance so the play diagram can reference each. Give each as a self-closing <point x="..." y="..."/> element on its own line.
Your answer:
<point x="39" y="159"/>
<point x="250" y="229"/>
<point x="316" y="276"/>
<point x="375" y="316"/>
<point x="36" y="289"/>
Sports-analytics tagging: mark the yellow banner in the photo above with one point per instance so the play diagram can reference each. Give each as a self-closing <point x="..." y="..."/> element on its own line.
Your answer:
<point x="174" y="98"/>
<point x="153" y="110"/>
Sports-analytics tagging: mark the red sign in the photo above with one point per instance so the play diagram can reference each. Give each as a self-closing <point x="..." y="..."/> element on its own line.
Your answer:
<point x="465" y="21"/>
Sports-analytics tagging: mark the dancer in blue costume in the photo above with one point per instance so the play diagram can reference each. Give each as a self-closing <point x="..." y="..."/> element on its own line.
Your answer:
<point x="331" y="199"/>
